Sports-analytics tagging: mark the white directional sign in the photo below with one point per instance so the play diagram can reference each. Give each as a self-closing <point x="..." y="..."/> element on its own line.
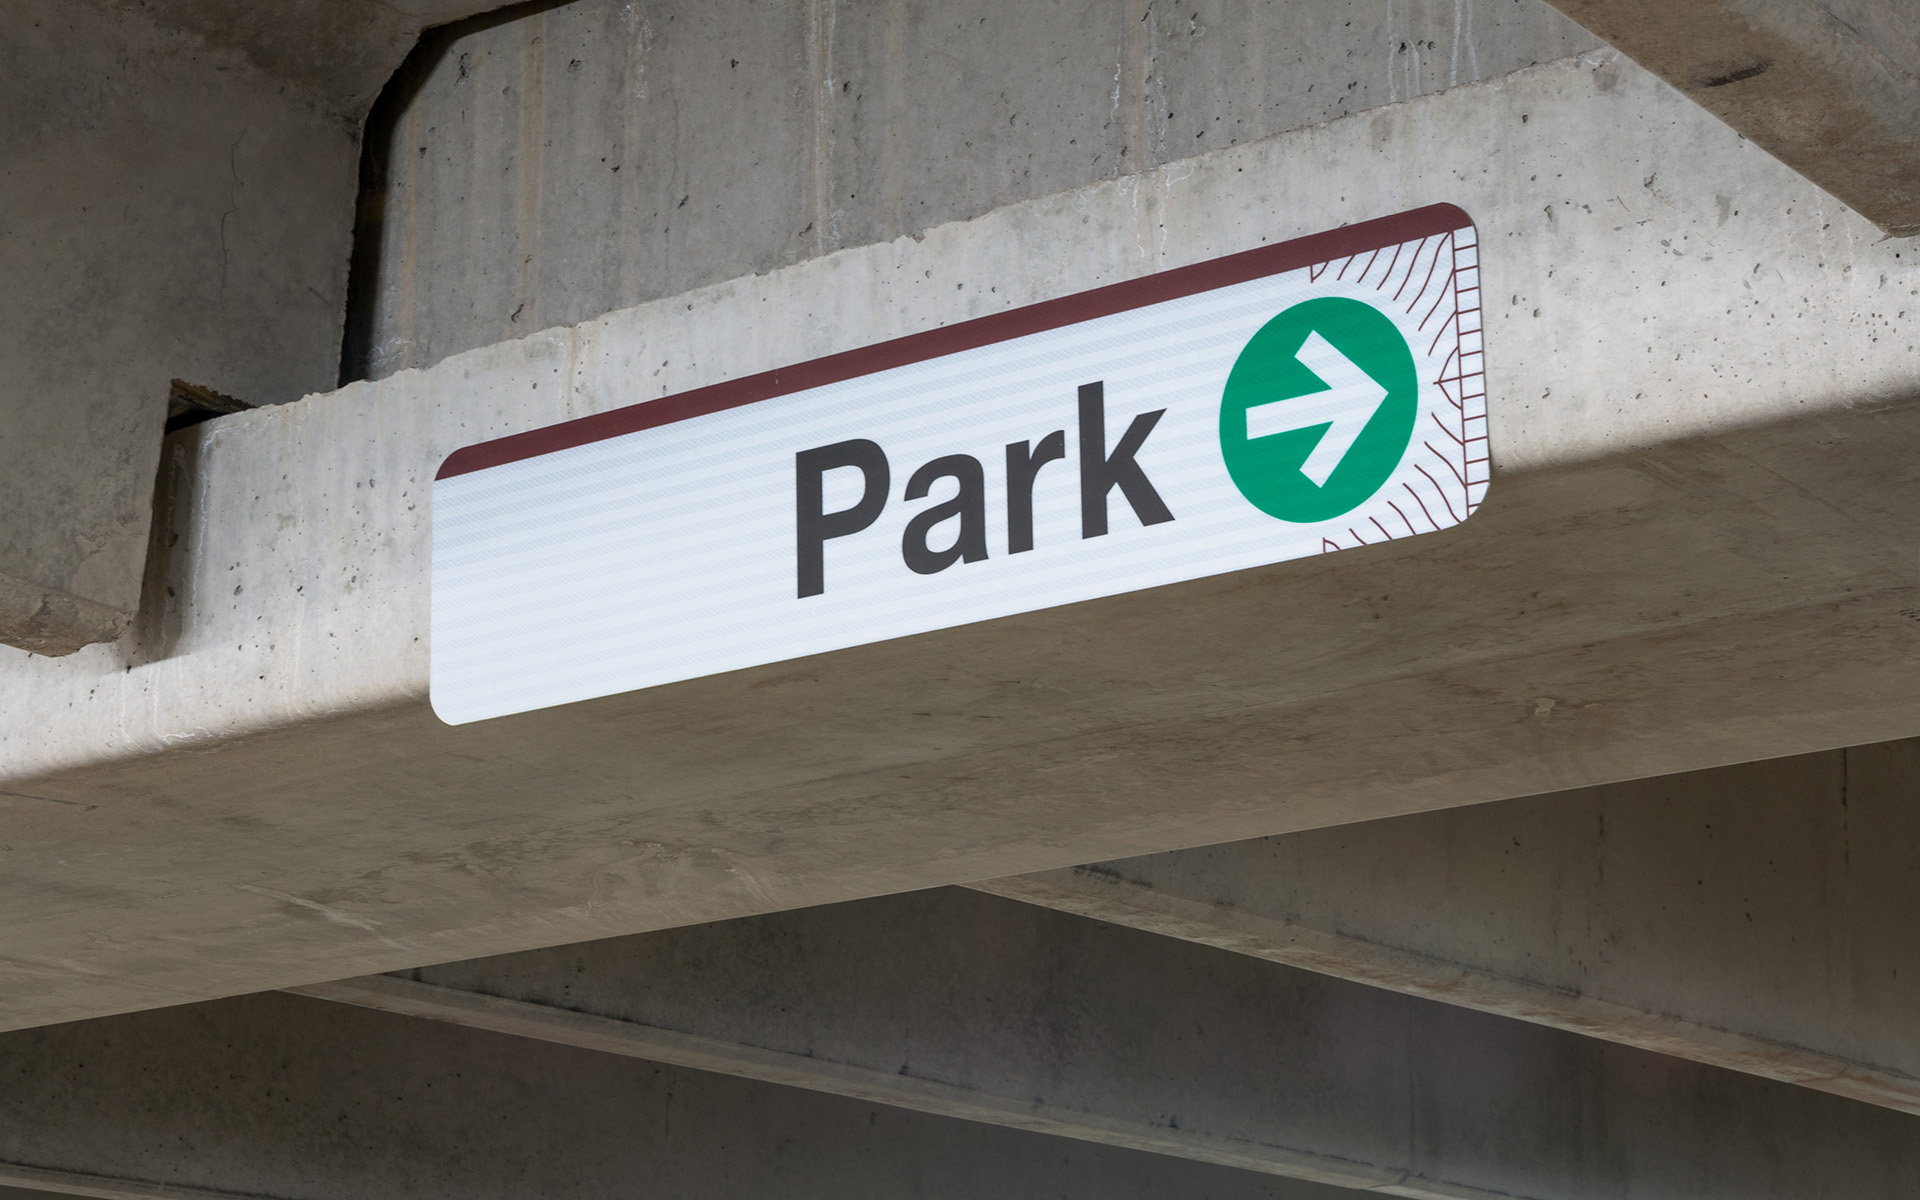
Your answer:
<point x="1287" y="401"/>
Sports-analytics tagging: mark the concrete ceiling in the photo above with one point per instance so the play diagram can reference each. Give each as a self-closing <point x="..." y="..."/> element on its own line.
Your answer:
<point x="1829" y="87"/>
<point x="342" y="51"/>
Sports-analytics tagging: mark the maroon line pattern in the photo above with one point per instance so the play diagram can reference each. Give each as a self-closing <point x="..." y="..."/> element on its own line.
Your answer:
<point x="1439" y="283"/>
<point x="1424" y="225"/>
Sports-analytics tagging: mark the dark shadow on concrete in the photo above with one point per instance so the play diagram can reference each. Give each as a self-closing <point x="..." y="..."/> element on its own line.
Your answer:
<point x="376" y="157"/>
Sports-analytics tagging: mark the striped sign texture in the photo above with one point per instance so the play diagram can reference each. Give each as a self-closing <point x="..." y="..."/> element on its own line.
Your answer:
<point x="1289" y="401"/>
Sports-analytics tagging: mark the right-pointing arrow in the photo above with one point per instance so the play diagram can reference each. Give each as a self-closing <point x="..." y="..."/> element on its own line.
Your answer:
<point x="1351" y="399"/>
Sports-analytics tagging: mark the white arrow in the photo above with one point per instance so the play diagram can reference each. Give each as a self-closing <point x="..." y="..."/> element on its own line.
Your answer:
<point x="1351" y="399"/>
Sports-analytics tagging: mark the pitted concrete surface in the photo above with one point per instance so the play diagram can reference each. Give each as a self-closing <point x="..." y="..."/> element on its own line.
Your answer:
<point x="604" y="154"/>
<point x="1691" y="555"/>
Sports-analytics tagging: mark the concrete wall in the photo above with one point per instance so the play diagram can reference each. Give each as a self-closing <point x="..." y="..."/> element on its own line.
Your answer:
<point x="169" y="211"/>
<point x="606" y="153"/>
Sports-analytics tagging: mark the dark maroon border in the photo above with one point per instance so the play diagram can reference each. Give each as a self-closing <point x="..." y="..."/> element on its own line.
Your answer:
<point x="951" y="339"/>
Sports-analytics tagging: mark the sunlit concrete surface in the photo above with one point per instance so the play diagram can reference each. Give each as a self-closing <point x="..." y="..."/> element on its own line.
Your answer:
<point x="1694" y="553"/>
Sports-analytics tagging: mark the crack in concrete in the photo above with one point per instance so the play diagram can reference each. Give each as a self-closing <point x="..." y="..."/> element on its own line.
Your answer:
<point x="233" y="203"/>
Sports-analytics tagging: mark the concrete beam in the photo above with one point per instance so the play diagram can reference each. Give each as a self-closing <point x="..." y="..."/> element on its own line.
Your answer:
<point x="726" y="1055"/>
<point x="1696" y="551"/>
<point x="1759" y="918"/>
<point x="37" y="1183"/>
<point x="828" y="1052"/>
<point x="1829" y="87"/>
<point x="963" y="1005"/>
<point x="280" y="1097"/>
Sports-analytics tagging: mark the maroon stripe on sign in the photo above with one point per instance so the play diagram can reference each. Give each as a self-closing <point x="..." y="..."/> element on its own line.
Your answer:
<point x="967" y="335"/>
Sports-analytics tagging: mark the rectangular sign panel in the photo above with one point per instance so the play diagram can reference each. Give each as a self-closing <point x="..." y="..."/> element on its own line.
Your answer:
<point x="1287" y="401"/>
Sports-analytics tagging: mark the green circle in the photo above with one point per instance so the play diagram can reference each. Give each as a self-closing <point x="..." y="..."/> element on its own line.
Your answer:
<point x="1267" y="469"/>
